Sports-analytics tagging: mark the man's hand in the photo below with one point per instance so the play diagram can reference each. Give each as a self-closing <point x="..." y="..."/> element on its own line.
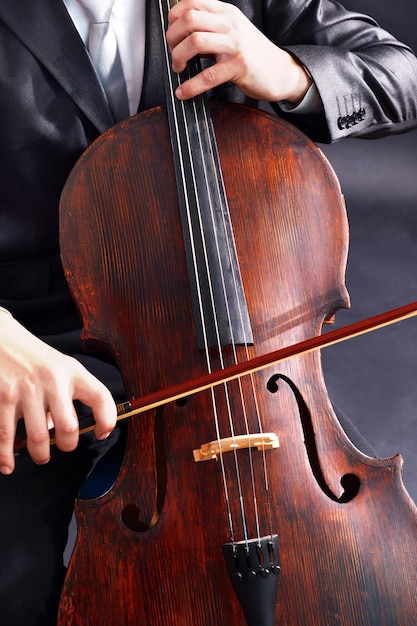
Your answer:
<point x="242" y="54"/>
<point x="39" y="384"/>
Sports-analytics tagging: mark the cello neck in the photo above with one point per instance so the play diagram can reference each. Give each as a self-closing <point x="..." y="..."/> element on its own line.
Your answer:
<point x="219" y="304"/>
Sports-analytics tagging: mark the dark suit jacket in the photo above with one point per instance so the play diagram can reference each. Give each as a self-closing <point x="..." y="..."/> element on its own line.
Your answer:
<point x="52" y="107"/>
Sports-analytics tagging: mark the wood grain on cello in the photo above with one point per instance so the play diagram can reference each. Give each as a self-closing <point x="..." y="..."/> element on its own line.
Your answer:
<point x="309" y="531"/>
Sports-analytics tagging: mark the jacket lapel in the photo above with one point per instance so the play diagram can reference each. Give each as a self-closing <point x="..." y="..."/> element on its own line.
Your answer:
<point x="45" y="27"/>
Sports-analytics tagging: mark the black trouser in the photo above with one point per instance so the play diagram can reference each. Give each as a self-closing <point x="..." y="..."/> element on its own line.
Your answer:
<point x="37" y="503"/>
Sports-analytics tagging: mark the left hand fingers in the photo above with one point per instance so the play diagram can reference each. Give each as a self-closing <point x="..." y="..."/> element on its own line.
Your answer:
<point x="200" y="42"/>
<point x="210" y="77"/>
<point x="242" y="54"/>
<point x="197" y="16"/>
<point x="207" y="29"/>
<point x="199" y="32"/>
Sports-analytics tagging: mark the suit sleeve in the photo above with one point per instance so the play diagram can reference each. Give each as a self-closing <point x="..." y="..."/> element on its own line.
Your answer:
<point x="366" y="79"/>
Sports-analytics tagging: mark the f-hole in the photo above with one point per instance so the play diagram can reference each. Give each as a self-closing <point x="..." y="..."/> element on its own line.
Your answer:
<point x="131" y="513"/>
<point x="349" y="482"/>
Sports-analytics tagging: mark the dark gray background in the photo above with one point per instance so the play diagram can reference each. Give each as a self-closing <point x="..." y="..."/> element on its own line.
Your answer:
<point x="373" y="378"/>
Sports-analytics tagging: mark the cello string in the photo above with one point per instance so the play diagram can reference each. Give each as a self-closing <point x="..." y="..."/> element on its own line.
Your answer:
<point x="206" y="127"/>
<point x="219" y="182"/>
<point x="220" y="201"/>
<point x="215" y="317"/>
<point x="194" y="258"/>
<point x="182" y="167"/>
<point x="220" y="196"/>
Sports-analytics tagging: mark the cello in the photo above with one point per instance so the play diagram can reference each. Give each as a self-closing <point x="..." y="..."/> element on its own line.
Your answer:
<point x="244" y="503"/>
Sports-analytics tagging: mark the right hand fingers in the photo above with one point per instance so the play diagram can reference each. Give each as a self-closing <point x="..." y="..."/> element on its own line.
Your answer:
<point x="40" y="384"/>
<point x="57" y="409"/>
<point x="91" y="392"/>
<point x="7" y="434"/>
<point x="51" y="406"/>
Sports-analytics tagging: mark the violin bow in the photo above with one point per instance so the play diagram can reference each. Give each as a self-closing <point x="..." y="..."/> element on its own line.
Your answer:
<point x="183" y="390"/>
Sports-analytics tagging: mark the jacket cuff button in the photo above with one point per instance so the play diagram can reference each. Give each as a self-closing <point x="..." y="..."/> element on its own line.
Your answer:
<point x="341" y="122"/>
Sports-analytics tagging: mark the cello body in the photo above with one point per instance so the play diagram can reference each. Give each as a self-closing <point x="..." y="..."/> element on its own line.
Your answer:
<point x="150" y="551"/>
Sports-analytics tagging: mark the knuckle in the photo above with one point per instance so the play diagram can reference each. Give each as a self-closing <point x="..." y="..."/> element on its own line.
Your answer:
<point x="6" y="433"/>
<point x="38" y="436"/>
<point x="209" y="76"/>
<point x="48" y="375"/>
<point x="197" y="40"/>
<point x="8" y="394"/>
<point x="67" y="428"/>
<point x="190" y="17"/>
<point x="99" y="392"/>
<point x="189" y="20"/>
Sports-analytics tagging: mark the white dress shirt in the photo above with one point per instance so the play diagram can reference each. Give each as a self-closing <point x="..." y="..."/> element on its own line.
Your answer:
<point x="128" y="23"/>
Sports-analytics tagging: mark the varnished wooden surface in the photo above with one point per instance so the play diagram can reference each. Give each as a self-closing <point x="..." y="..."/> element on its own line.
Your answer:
<point x="351" y="563"/>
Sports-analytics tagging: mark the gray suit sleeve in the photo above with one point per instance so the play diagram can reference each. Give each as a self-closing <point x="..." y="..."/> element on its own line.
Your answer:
<point x="367" y="79"/>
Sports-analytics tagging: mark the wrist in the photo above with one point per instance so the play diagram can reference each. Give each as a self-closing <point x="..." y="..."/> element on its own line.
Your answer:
<point x="300" y="82"/>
